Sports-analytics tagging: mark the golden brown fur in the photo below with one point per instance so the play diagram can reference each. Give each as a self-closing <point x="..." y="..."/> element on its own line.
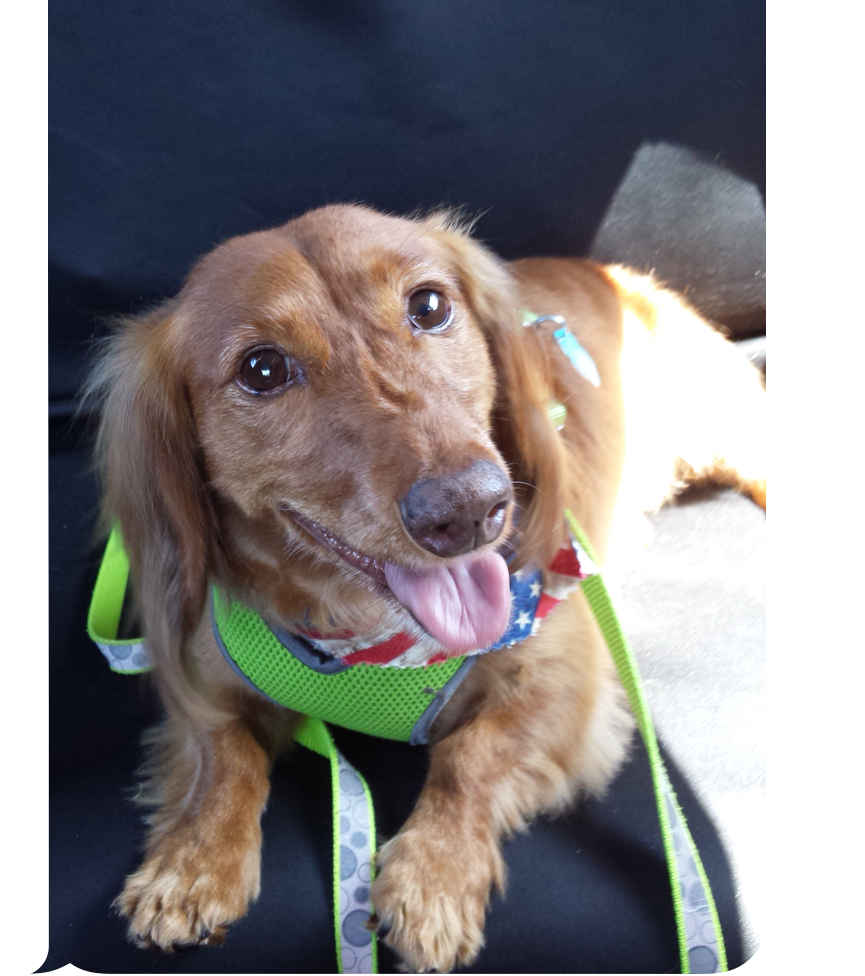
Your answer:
<point x="196" y="470"/>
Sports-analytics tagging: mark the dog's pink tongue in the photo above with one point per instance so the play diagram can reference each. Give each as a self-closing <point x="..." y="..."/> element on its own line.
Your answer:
<point x="464" y="604"/>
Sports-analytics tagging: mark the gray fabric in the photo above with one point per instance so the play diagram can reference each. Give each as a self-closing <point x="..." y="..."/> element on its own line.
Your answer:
<point x="699" y="227"/>
<point x="693" y="606"/>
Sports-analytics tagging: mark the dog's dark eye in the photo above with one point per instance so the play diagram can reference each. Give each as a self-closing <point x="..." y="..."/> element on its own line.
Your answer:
<point x="264" y="370"/>
<point x="429" y="311"/>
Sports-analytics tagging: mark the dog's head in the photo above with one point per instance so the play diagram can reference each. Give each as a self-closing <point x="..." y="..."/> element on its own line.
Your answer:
<point x="332" y="414"/>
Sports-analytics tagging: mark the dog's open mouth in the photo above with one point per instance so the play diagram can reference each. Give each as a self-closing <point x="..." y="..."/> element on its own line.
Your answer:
<point x="375" y="568"/>
<point x="464" y="602"/>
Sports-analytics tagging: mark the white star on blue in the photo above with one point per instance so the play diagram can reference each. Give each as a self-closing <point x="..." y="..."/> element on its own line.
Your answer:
<point x="525" y="596"/>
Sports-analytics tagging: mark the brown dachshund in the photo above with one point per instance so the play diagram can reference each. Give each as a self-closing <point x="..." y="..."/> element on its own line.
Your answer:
<point x="343" y="422"/>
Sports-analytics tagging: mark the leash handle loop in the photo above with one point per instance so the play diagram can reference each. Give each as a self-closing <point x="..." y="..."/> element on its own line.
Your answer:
<point x="106" y="605"/>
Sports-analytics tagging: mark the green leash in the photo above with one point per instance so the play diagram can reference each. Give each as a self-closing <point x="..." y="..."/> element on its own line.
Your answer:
<point x="701" y="944"/>
<point x="353" y="831"/>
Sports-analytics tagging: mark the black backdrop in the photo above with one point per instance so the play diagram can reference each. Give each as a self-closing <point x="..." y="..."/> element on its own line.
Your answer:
<point x="176" y="124"/>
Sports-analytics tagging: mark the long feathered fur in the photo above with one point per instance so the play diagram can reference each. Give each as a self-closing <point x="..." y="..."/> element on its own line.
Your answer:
<point x="199" y="474"/>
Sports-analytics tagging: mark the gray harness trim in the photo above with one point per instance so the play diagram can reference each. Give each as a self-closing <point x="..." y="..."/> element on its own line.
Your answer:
<point x="420" y="732"/>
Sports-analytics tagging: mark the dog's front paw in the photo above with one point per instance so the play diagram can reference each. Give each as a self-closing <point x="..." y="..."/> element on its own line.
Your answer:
<point x="430" y="897"/>
<point x="185" y="894"/>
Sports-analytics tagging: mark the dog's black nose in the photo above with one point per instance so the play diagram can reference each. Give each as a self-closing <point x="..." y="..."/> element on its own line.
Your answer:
<point x="459" y="512"/>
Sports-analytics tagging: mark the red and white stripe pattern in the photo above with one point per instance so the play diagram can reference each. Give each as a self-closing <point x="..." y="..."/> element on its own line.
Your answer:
<point x="534" y="594"/>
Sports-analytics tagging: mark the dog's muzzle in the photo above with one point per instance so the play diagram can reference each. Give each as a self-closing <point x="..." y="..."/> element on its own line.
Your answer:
<point x="457" y="513"/>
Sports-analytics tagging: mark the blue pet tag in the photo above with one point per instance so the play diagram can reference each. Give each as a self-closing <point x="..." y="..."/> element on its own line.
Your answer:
<point x="579" y="356"/>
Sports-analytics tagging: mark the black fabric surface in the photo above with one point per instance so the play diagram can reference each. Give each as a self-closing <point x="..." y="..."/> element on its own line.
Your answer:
<point x="588" y="891"/>
<point x="177" y="124"/>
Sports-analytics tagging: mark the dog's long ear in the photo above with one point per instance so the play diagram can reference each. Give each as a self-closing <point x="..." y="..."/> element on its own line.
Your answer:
<point x="148" y="458"/>
<point x="522" y="430"/>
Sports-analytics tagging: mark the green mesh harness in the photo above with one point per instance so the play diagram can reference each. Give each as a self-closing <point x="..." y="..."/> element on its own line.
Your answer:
<point x="391" y="703"/>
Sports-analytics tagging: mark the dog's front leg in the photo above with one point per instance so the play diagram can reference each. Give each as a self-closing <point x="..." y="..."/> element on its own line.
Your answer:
<point x="554" y="720"/>
<point x="434" y="877"/>
<point x="202" y="854"/>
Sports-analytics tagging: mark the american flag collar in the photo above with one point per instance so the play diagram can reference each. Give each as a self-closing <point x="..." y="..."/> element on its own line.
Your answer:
<point x="534" y="594"/>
